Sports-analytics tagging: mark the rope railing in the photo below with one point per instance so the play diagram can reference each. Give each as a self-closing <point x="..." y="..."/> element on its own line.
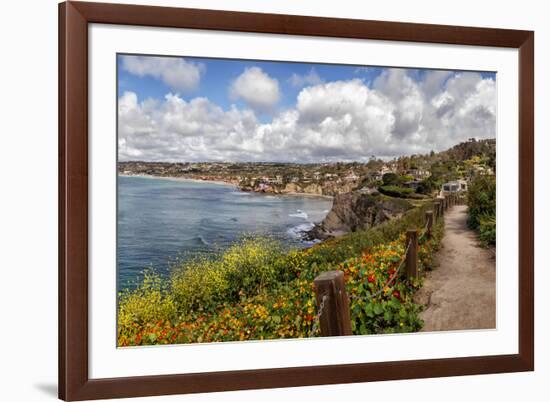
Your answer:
<point x="384" y="288"/>
<point x="318" y="315"/>
<point x="389" y="282"/>
<point x="425" y="230"/>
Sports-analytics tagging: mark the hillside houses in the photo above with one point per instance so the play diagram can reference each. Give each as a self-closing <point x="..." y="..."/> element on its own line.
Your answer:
<point x="454" y="186"/>
<point x="418" y="173"/>
<point x="351" y="176"/>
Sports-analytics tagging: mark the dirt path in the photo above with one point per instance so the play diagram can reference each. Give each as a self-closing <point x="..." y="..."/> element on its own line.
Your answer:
<point x="460" y="291"/>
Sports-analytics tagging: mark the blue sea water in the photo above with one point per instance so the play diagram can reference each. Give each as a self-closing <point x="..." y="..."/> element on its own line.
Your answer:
<point x="162" y="219"/>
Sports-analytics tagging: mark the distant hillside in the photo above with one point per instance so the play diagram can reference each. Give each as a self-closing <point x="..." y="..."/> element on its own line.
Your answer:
<point x="482" y="150"/>
<point x="469" y="149"/>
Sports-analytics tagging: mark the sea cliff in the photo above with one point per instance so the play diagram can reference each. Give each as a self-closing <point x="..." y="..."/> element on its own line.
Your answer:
<point x="324" y="188"/>
<point x="358" y="211"/>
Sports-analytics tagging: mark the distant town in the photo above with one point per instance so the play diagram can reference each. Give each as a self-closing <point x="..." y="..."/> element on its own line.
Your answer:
<point x="415" y="174"/>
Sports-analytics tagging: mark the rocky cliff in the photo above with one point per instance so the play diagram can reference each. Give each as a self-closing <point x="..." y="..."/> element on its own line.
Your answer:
<point x="325" y="188"/>
<point x="358" y="211"/>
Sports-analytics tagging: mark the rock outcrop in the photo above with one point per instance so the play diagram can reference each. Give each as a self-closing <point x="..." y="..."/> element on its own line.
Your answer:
<point x="324" y="188"/>
<point x="358" y="211"/>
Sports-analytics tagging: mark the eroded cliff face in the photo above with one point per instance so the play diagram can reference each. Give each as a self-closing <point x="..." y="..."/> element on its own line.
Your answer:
<point x="358" y="211"/>
<point x="327" y="188"/>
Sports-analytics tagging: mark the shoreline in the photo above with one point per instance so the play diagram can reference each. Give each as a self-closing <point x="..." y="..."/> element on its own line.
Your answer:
<point x="226" y="183"/>
<point x="184" y="179"/>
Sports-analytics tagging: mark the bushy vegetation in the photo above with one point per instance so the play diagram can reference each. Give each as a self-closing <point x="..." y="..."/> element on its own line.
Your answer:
<point x="396" y="191"/>
<point x="488" y="229"/>
<point x="246" y="268"/>
<point x="429" y="185"/>
<point x="400" y="192"/>
<point x="482" y="207"/>
<point x="393" y="186"/>
<point x="257" y="290"/>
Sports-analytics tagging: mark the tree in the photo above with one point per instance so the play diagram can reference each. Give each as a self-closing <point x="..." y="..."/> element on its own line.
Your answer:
<point x="481" y="199"/>
<point x="427" y="186"/>
<point x="390" y="179"/>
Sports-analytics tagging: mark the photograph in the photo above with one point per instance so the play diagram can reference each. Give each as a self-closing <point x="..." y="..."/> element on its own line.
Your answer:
<point x="274" y="201"/>
<point x="262" y="200"/>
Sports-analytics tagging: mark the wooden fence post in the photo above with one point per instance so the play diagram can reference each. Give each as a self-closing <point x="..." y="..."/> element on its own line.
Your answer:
<point x="335" y="319"/>
<point x="412" y="253"/>
<point x="429" y="223"/>
<point x="436" y="210"/>
<point x="441" y="206"/>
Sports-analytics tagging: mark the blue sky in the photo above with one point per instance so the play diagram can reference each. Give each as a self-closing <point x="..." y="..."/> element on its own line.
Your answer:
<point x="220" y="72"/>
<point x="265" y="93"/>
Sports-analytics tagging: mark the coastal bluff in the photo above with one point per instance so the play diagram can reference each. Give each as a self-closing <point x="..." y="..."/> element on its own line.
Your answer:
<point x="358" y="211"/>
<point x="325" y="188"/>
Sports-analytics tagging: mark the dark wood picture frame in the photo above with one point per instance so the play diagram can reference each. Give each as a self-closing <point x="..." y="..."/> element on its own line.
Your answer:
<point x="74" y="382"/>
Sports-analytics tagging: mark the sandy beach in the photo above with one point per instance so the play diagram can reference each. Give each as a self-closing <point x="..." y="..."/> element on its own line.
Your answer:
<point x="148" y="176"/>
<point x="225" y="183"/>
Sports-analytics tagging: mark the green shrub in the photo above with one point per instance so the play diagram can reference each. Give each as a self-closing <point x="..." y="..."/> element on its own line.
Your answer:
<point x="395" y="191"/>
<point x="198" y="283"/>
<point x="481" y="199"/>
<point x="400" y="192"/>
<point x="390" y="179"/>
<point x="428" y="186"/>
<point x="488" y="229"/>
<point x="149" y="302"/>
<point x="244" y="269"/>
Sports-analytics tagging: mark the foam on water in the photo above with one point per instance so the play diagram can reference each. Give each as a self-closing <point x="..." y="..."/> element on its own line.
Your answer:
<point x="298" y="232"/>
<point x="299" y="214"/>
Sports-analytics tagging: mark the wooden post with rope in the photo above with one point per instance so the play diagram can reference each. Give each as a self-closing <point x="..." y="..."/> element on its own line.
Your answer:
<point x="333" y="304"/>
<point x="441" y="206"/>
<point x="429" y="224"/>
<point x="436" y="209"/>
<point x="333" y="313"/>
<point x="411" y="245"/>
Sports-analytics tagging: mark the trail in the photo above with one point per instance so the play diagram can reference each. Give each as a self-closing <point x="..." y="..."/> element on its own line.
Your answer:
<point x="460" y="293"/>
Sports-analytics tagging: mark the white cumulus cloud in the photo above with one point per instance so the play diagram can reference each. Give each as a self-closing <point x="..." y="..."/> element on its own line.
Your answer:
<point x="256" y="88"/>
<point x="311" y="78"/>
<point x="176" y="72"/>
<point x="333" y="121"/>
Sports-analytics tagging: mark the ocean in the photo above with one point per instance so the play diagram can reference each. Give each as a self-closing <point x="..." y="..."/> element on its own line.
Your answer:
<point x="161" y="219"/>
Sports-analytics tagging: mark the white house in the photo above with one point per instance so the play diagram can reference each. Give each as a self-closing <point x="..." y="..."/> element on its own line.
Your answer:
<point x="351" y="176"/>
<point x="454" y="186"/>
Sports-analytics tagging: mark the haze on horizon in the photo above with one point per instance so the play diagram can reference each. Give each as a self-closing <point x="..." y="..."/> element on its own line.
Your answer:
<point x="176" y="109"/>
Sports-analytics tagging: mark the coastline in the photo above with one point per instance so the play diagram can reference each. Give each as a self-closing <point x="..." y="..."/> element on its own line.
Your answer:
<point x="328" y="197"/>
<point x="226" y="183"/>
<point x="185" y="179"/>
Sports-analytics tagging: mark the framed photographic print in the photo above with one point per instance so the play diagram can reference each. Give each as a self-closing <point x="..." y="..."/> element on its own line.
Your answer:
<point x="259" y="200"/>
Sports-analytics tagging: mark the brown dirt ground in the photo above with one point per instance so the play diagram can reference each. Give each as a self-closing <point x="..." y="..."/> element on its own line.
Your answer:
<point x="460" y="293"/>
